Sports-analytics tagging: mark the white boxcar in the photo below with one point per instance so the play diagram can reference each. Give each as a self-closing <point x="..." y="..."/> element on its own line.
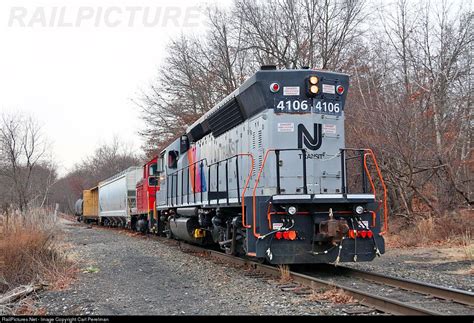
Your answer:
<point x="117" y="196"/>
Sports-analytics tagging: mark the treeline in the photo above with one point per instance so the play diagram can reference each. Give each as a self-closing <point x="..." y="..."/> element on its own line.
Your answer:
<point x="29" y="177"/>
<point x="107" y="160"/>
<point x="27" y="172"/>
<point x="411" y="82"/>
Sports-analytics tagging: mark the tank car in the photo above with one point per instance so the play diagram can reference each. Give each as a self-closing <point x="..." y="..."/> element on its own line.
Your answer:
<point x="266" y="174"/>
<point x="78" y="209"/>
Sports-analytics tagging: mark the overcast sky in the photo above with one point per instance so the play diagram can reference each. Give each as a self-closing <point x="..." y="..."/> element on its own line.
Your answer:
<point x="75" y="65"/>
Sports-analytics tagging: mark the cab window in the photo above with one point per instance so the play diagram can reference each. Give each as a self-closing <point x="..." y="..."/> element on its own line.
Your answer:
<point x="153" y="170"/>
<point x="173" y="159"/>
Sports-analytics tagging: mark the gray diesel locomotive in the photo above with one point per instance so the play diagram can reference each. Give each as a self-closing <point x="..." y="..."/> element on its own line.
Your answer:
<point x="266" y="174"/>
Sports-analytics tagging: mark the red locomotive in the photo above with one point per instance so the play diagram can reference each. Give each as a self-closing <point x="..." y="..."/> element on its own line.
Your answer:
<point x="146" y="217"/>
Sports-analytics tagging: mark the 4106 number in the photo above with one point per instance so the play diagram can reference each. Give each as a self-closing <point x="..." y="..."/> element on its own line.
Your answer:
<point x="305" y="106"/>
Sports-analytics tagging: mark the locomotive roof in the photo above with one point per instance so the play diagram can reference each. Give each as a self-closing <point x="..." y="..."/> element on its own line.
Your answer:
<point x="260" y="77"/>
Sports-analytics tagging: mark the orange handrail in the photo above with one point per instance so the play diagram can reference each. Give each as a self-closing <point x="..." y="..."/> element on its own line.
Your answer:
<point x="379" y="173"/>
<point x="269" y="215"/>
<point x="369" y="152"/>
<point x="374" y="217"/>
<point x="245" y="188"/>
<point x="366" y="168"/>
<point x="254" y="200"/>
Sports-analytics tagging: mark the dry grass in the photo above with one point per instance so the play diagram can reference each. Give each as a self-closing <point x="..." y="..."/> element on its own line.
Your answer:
<point x="468" y="246"/>
<point x="31" y="252"/>
<point x="26" y="306"/>
<point x="284" y="273"/>
<point x="455" y="229"/>
<point x="333" y="295"/>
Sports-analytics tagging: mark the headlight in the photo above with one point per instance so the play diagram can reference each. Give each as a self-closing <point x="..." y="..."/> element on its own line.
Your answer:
<point x="359" y="209"/>
<point x="314" y="89"/>
<point x="313" y="80"/>
<point x="292" y="210"/>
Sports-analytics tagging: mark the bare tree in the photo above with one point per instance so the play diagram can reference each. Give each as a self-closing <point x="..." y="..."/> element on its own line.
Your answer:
<point x="411" y="92"/>
<point x="23" y="148"/>
<point x="299" y="33"/>
<point x="410" y="105"/>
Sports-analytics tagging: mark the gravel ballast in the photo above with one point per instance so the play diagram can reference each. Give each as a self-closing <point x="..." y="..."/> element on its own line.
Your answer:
<point x="123" y="274"/>
<point x="446" y="267"/>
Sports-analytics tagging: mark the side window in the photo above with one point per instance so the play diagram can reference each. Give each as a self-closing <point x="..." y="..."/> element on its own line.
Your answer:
<point x="153" y="169"/>
<point x="173" y="159"/>
<point x="161" y="167"/>
<point x="184" y="144"/>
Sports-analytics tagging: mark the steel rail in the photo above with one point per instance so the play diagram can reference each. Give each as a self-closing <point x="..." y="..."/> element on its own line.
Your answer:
<point x="380" y="303"/>
<point x="451" y="294"/>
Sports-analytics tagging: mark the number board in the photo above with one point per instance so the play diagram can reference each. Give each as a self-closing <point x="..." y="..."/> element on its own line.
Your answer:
<point x="308" y="106"/>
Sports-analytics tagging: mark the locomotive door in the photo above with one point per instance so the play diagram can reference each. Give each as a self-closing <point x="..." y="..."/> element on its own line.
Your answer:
<point x="291" y="172"/>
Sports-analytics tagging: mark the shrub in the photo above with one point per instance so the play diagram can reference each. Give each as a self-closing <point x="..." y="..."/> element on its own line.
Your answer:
<point x="30" y="250"/>
<point x="455" y="228"/>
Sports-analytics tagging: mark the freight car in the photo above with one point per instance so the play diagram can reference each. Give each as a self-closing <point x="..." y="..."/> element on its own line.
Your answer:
<point x="117" y="198"/>
<point x="266" y="174"/>
<point x="90" y="205"/>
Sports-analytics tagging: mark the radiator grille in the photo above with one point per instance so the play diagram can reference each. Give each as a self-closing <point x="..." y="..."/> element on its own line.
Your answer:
<point x="226" y="118"/>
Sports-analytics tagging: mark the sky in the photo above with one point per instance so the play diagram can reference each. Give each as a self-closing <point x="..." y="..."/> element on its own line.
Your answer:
<point x="76" y="66"/>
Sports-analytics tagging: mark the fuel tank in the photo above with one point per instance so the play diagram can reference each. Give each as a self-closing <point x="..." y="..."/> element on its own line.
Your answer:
<point x="187" y="229"/>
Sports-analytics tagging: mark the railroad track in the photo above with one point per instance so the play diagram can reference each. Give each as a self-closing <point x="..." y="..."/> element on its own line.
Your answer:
<point x="427" y="297"/>
<point x="423" y="298"/>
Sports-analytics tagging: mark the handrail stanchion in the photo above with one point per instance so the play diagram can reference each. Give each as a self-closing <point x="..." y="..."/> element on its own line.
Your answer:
<point x="227" y="179"/>
<point x="194" y="183"/>
<point x="201" y="179"/>
<point x="305" y="180"/>
<point x="343" y="171"/>
<point x="277" y="158"/>
<point x="217" y="182"/>
<point x="177" y="179"/>
<point x="238" y="178"/>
